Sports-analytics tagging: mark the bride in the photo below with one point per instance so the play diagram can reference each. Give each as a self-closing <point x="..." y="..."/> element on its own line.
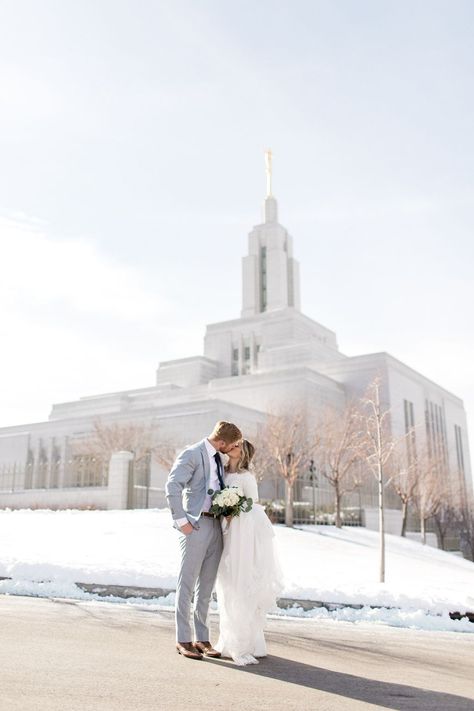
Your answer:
<point x="249" y="577"/>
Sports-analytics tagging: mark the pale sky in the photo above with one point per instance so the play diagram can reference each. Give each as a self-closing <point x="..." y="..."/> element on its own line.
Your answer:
<point x="131" y="170"/>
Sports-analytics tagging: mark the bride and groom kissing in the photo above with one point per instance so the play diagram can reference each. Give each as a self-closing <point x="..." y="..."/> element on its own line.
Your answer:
<point x="235" y="555"/>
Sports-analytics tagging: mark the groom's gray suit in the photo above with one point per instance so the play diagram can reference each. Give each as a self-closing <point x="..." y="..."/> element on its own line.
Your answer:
<point x="186" y="489"/>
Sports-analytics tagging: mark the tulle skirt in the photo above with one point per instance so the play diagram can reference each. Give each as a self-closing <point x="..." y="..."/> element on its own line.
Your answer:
<point x="249" y="580"/>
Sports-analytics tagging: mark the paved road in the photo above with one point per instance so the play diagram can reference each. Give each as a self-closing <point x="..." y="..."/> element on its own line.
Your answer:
<point x="66" y="655"/>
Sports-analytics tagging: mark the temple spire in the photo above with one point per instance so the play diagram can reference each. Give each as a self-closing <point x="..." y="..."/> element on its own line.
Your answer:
<point x="270" y="273"/>
<point x="270" y="209"/>
<point x="268" y="171"/>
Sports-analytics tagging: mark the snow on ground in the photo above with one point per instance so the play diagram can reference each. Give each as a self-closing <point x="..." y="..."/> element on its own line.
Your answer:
<point x="344" y="564"/>
<point x="46" y="552"/>
<point x="117" y="547"/>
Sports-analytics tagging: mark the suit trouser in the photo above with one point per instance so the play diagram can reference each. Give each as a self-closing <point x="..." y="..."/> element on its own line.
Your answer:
<point x="201" y="552"/>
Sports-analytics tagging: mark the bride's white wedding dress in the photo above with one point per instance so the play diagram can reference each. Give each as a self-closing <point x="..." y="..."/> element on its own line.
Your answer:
<point x="248" y="580"/>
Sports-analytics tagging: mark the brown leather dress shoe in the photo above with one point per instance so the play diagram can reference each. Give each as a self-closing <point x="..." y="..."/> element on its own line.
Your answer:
<point x="187" y="649"/>
<point x="207" y="649"/>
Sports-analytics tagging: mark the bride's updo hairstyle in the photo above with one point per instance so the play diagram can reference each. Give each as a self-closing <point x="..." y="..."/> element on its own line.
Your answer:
<point x="248" y="450"/>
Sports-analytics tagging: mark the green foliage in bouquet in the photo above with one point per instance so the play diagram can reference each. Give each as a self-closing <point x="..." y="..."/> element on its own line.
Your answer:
<point x="229" y="501"/>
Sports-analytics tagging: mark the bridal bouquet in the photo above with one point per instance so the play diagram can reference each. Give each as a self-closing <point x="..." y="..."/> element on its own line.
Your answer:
<point x="229" y="501"/>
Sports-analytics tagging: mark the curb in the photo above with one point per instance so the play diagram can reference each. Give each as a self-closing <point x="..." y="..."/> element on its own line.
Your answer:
<point x="127" y="591"/>
<point x="285" y="603"/>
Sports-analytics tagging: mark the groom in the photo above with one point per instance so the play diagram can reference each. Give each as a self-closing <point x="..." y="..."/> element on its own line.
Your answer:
<point x="196" y="470"/>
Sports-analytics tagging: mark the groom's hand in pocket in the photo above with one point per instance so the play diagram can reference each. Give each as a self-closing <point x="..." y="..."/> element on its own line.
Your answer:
<point x="186" y="529"/>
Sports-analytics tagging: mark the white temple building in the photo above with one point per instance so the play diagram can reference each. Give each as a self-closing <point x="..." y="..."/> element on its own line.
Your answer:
<point x="270" y="356"/>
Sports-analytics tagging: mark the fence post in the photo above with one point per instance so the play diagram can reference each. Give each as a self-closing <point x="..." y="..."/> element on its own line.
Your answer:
<point x="119" y="477"/>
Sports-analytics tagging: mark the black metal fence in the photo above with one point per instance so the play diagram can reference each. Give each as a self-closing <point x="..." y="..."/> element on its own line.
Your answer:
<point x="58" y="473"/>
<point x="303" y="513"/>
<point x="314" y="499"/>
<point x="139" y="483"/>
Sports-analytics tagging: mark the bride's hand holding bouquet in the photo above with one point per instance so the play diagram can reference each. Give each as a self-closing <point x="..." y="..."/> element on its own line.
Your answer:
<point x="229" y="502"/>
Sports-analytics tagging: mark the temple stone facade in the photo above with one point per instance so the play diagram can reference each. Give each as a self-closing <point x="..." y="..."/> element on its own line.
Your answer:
<point x="270" y="357"/>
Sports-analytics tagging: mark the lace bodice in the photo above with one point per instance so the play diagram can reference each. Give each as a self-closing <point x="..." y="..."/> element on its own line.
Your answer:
<point x="246" y="480"/>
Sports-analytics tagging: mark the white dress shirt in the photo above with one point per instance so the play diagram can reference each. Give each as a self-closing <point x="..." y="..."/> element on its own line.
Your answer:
<point x="214" y="478"/>
<point x="213" y="482"/>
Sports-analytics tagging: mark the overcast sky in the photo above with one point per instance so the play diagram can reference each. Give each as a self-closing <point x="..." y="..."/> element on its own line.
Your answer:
<point x="131" y="170"/>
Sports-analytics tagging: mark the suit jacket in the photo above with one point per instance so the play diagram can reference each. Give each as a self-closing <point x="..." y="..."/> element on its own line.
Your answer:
<point x="188" y="483"/>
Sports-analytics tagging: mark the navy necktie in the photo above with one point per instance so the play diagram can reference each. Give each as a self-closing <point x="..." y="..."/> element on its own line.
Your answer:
<point x="219" y="469"/>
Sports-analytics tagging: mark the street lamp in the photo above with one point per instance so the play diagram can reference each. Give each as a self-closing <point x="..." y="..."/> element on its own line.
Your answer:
<point x="289" y="490"/>
<point x="312" y="478"/>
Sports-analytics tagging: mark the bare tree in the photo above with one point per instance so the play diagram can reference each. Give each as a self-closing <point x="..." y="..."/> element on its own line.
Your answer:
<point x="466" y="526"/>
<point x="445" y="519"/>
<point x="448" y="515"/>
<point x="142" y="439"/>
<point x="165" y="453"/>
<point x="105" y="439"/>
<point x="431" y="489"/>
<point x="337" y="451"/>
<point x="285" y="449"/>
<point x="377" y="447"/>
<point x="403" y="468"/>
<point x="461" y="513"/>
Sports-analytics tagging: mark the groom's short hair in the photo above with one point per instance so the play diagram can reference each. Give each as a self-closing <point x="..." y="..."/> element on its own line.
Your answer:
<point x="226" y="431"/>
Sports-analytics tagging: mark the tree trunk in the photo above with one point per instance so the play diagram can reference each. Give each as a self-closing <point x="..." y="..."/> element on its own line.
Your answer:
<point x="423" y="529"/>
<point x="441" y="532"/>
<point x="338" y="508"/>
<point x="381" y="502"/>
<point x="404" y="518"/>
<point x="381" y="526"/>
<point x="288" y="504"/>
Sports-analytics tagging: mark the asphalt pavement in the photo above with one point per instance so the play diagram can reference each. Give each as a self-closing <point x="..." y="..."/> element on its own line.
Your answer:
<point x="66" y="655"/>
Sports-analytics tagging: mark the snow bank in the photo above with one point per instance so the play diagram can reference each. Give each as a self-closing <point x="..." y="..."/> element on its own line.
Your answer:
<point x="414" y="619"/>
<point x="59" y="548"/>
